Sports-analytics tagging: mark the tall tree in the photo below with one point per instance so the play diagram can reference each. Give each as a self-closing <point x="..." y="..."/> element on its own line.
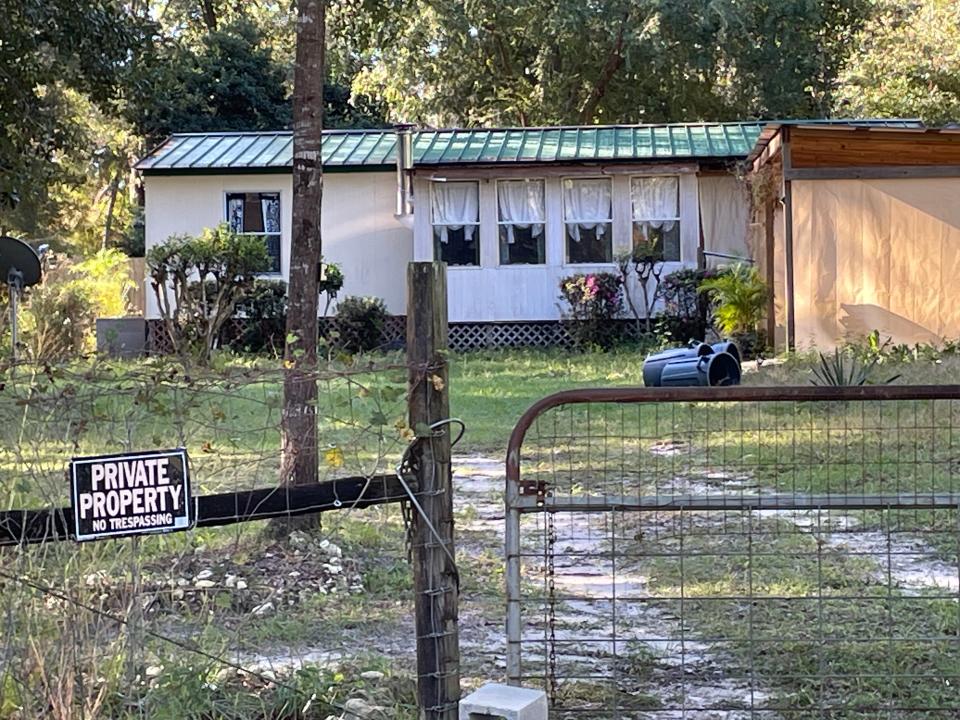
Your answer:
<point x="299" y="463"/>
<point x="574" y="62"/>
<point x="228" y="81"/>
<point x="51" y="50"/>
<point x="906" y="63"/>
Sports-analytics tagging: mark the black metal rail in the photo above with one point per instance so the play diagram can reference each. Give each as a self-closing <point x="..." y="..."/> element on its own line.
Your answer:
<point x="21" y="527"/>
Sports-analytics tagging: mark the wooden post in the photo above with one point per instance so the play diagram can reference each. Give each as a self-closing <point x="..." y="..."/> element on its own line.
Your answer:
<point x="790" y="294"/>
<point x="769" y="217"/>
<point x="435" y="574"/>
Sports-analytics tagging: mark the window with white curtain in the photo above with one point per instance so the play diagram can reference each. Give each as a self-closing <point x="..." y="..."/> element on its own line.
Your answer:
<point x="455" y="215"/>
<point x="656" y="215"/>
<point x="521" y="219"/>
<point x="257" y="213"/>
<point x="587" y="217"/>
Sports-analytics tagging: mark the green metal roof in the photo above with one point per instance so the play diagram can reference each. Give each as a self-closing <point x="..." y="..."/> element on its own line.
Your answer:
<point x="374" y="149"/>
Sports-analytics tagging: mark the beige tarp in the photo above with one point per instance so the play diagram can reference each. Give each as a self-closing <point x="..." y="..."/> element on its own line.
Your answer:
<point x="725" y="215"/>
<point x="876" y="255"/>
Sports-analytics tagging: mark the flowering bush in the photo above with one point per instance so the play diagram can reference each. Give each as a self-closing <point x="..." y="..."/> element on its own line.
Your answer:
<point x="593" y="301"/>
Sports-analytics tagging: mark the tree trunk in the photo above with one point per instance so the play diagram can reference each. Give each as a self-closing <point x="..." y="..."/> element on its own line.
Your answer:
<point x="111" y="205"/>
<point x="299" y="463"/>
<point x="208" y="10"/>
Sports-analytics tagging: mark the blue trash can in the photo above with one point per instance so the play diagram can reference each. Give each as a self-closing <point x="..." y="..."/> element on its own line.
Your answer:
<point x="715" y="370"/>
<point x="728" y="347"/>
<point x="654" y="364"/>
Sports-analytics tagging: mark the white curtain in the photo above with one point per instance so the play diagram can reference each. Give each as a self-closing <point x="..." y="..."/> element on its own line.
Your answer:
<point x="270" y="209"/>
<point x="586" y="205"/>
<point x="725" y="215"/>
<point x="455" y="205"/>
<point x="235" y="214"/>
<point x="522" y="205"/>
<point x="656" y="201"/>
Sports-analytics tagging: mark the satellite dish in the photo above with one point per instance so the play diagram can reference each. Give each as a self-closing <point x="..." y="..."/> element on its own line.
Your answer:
<point x="19" y="263"/>
<point x="19" y="268"/>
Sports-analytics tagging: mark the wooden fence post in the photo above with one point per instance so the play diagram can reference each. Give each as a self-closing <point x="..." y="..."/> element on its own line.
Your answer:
<point x="435" y="574"/>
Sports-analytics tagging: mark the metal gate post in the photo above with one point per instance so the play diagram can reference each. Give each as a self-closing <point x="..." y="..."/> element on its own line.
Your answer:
<point x="512" y="553"/>
<point x="435" y="573"/>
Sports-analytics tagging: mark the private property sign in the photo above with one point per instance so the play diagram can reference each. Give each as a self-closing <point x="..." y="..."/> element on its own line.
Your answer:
<point x="117" y="495"/>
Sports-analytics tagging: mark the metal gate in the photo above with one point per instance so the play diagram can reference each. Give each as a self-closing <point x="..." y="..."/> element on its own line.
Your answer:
<point x="752" y="552"/>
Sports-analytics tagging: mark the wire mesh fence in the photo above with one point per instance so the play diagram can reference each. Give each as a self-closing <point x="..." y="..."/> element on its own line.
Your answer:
<point x="756" y="553"/>
<point x="276" y="618"/>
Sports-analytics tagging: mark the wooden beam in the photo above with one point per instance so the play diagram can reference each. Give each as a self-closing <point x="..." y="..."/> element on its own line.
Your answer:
<point x="769" y="217"/>
<point x="534" y="170"/>
<point x="873" y="172"/>
<point x="790" y="291"/>
<point x="833" y="147"/>
<point x="769" y="152"/>
<point x="436" y="580"/>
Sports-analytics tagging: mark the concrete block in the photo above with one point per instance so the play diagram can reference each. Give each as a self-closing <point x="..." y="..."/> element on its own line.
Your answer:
<point x="504" y="702"/>
<point x="122" y="337"/>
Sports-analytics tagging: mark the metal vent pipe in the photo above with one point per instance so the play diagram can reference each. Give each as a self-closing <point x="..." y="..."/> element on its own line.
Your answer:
<point x="404" y="171"/>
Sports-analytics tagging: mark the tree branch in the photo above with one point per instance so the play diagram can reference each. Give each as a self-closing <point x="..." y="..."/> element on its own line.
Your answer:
<point x="610" y="68"/>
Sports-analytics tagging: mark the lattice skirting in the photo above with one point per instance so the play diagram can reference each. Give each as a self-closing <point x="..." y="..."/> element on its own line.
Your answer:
<point x="462" y="336"/>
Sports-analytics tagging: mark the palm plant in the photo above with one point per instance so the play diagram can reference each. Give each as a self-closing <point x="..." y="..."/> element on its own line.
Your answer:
<point x="842" y="369"/>
<point x="741" y="296"/>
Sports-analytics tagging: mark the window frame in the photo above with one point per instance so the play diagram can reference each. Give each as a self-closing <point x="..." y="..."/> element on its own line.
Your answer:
<point x="564" y="222"/>
<point x="477" y="224"/>
<point x="677" y="219"/>
<point x="279" y="235"/>
<point x="500" y="223"/>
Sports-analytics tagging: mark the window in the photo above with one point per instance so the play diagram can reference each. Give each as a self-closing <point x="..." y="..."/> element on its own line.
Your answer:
<point x="257" y="214"/>
<point x="587" y="218"/>
<point x="656" y="216"/>
<point x="521" y="217"/>
<point x="455" y="215"/>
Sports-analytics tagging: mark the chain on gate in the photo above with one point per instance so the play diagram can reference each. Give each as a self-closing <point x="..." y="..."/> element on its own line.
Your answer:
<point x="551" y="575"/>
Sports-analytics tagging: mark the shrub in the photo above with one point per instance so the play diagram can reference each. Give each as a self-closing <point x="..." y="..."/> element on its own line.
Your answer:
<point x="263" y="316"/>
<point x="207" y="276"/>
<point x="593" y="301"/>
<point x="686" y="310"/>
<point x="740" y="295"/>
<point x="58" y="316"/>
<point x="360" y="323"/>
<point x="843" y="369"/>
<point x="331" y="283"/>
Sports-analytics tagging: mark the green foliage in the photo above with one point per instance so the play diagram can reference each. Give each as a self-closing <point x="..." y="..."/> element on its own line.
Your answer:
<point x="906" y="63"/>
<point x="844" y="369"/>
<point x="263" y="312"/>
<point x="58" y="316"/>
<point x="51" y="51"/>
<point x="360" y="323"/>
<point x="198" y="282"/>
<point x="686" y="311"/>
<point x="592" y="302"/>
<point x="741" y="298"/>
<point x="230" y="82"/>
<point x="506" y="63"/>
<point x="330" y="284"/>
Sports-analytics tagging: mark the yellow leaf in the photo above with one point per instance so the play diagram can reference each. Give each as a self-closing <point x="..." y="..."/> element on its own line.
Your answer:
<point x="438" y="383"/>
<point x="333" y="457"/>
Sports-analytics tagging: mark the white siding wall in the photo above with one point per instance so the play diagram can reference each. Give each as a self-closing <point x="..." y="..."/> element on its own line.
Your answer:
<point x="373" y="248"/>
<point x="493" y="292"/>
<point x="359" y="229"/>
